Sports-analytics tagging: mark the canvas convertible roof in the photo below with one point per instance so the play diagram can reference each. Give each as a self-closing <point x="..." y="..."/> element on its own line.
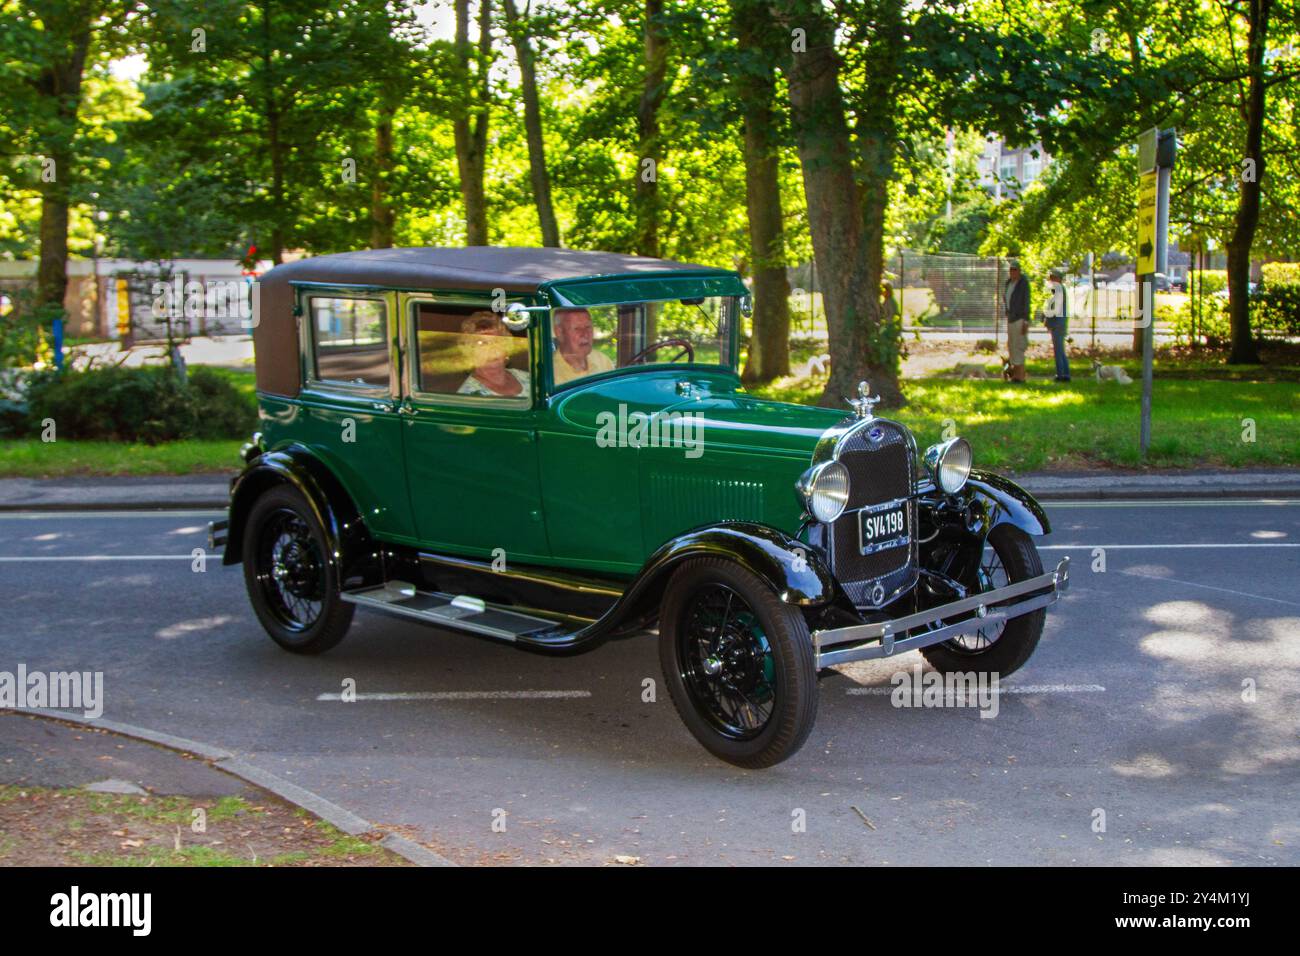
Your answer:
<point x="518" y="270"/>
<point x="475" y="267"/>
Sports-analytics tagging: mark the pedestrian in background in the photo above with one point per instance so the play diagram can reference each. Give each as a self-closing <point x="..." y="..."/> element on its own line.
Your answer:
<point x="1056" y="316"/>
<point x="888" y="307"/>
<point x="1017" y="300"/>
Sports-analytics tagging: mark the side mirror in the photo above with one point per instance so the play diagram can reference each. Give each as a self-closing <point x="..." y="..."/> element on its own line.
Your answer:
<point x="747" y="305"/>
<point x="517" y="317"/>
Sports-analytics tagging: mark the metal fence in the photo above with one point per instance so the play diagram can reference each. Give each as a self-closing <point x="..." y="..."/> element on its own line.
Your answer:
<point x="953" y="292"/>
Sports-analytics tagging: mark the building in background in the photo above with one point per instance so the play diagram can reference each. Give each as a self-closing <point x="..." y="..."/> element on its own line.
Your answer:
<point x="1004" y="170"/>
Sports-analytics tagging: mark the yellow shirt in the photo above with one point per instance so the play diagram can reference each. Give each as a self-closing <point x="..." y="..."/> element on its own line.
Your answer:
<point x="596" y="362"/>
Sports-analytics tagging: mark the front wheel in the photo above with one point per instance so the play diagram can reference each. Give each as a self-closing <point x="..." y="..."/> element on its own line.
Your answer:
<point x="291" y="583"/>
<point x="738" y="662"/>
<point x="1009" y="556"/>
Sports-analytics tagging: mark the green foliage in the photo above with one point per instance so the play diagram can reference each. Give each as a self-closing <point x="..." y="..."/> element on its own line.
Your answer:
<point x="1275" y="309"/>
<point x="148" y="405"/>
<point x="1210" y="281"/>
<point x="22" y="342"/>
<point x="1280" y="273"/>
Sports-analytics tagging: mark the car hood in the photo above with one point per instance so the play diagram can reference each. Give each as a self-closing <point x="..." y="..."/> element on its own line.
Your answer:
<point x="721" y="413"/>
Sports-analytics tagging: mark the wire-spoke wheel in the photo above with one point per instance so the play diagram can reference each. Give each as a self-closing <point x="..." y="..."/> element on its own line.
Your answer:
<point x="727" y="662"/>
<point x="1000" y="647"/>
<point x="992" y="574"/>
<point x="291" y="582"/>
<point x="738" y="662"/>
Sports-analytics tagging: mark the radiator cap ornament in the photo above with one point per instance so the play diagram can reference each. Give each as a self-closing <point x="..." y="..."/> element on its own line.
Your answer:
<point x="864" y="405"/>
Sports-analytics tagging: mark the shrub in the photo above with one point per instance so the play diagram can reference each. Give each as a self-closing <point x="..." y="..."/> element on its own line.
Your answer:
<point x="149" y="405"/>
<point x="222" y="411"/>
<point x="1211" y="328"/>
<point x="1280" y="273"/>
<point x="1275" y="309"/>
<point x="1209" y="281"/>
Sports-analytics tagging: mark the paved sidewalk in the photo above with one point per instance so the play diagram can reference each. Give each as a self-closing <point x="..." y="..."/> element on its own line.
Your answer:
<point x="210" y="492"/>
<point x="47" y="749"/>
<point x="114" y="494"/>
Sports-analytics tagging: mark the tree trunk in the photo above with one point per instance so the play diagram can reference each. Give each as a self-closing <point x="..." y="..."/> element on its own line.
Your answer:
<point x="877" y="136"/>
<point x="382" y="218"/>
<point x="470" y="128"/>
<point x="276" y="149"/>
<point x="541" y="179"/>
<point x="1248" y="197"/>
<point x="649" y="147"/>
<point x="850" y="301"/>
<point x="769" y="345"/>
<point x="61" y="83"/>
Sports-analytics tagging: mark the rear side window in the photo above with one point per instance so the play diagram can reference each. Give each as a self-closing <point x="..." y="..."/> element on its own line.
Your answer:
<point x="350" y="340"/>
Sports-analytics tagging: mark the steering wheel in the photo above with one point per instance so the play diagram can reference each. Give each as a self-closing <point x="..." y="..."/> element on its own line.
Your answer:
<point x="686" y="349"/>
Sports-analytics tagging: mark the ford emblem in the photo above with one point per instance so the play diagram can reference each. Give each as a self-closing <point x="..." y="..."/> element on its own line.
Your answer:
<point x="876" y="433"/>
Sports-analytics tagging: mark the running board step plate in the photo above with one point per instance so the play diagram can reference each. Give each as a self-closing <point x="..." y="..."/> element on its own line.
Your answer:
<point x="458" y="612"/>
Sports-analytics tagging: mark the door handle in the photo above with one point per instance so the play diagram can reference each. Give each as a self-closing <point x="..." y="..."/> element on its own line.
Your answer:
<point x="406" y="408"/>
<point x="381" y="406"/>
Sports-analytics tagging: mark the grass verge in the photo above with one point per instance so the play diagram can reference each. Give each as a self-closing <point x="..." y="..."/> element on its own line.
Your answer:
<point x="70" y="827"/>
<point x="1044" y="425"/>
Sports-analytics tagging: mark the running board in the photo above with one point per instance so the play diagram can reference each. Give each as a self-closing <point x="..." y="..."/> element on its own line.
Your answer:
<point x="458" y="612"/>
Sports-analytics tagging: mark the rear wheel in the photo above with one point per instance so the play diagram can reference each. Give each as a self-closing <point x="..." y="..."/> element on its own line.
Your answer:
<point x="1002" y="648"/>
<point x="292" y="585"/>
<point x="738" y="663"/>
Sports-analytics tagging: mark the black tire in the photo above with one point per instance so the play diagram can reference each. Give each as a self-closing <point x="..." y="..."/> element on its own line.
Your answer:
<point x="294" y="590"/>
<point x="764" y="657"/>
<point x="1006" y="652"/>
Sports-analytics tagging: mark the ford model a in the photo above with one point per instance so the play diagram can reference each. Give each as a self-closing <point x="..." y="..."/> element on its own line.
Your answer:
<point x="552" y="448"/>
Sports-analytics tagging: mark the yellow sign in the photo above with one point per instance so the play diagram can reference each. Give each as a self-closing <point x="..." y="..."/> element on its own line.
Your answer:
<point x="1146" y="257"/>
<point x="123" y="309"/>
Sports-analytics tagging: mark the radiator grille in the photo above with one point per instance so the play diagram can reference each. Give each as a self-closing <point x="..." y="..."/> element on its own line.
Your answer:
<point x="879" y="457"/>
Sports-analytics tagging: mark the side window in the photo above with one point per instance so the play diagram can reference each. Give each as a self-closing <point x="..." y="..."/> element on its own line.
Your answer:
<point x="350" y="340"/>
<point x="461" y="350"/>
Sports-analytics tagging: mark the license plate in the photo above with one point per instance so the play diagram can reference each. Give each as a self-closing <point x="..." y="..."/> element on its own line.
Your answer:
<point x="883" y="526"/>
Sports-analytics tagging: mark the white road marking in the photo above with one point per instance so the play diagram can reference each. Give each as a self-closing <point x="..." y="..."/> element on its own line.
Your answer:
<point x="468" y="695"/>
<point x="83" y="515"/>
<point x="1011" y="689"/>
<point x="1174" y="503"/>
<point x="1047" y="547"/>
<point x="103" y="557"/>
<point x="1168" y="547"/>
<point x="1210" y="587"/>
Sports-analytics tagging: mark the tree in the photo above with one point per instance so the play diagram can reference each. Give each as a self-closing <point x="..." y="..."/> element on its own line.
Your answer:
<point x="519" y="28"/>
<point x="48" y="44"/>
<point x="654" y="87"/>
<point x="471" y="121"/>
<point x="755" y="88"/>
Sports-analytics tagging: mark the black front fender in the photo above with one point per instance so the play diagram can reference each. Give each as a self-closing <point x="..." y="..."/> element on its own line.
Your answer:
<point x="1005" y="502"/>
<point x="795" y="571"/>
<point x="345" y="533"/>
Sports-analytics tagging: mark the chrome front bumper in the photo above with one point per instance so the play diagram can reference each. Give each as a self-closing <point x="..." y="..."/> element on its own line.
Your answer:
<point x="886" y="638"/>
<point x="217" y="534"/>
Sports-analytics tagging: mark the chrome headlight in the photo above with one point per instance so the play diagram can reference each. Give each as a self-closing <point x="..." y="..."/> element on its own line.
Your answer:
<point x="949" y="463"/>
<point x="824" y="490"/>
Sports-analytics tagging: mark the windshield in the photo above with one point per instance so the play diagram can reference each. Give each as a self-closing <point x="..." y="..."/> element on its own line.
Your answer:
<point x="591" y="339"/>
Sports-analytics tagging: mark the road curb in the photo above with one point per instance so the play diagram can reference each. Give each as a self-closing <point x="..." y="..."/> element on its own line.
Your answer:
<point x="161" y="504"/>
<point x="333" y="814"/>
<point x="1045" y="494"/>
<point x="1153" y="494"/>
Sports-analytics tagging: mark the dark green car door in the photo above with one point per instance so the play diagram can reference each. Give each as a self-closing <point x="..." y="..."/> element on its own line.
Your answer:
<point x="471" y="453"/>
<point x="347" y="411"/>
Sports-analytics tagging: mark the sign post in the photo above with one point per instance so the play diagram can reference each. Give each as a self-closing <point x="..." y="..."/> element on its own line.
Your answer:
<point x="1156" y="151"/>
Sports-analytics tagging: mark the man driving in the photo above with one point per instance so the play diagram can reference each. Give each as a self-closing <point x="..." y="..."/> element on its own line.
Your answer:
<point x="574" y="356"/>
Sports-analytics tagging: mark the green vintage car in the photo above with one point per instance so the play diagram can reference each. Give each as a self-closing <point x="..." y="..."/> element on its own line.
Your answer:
<point x="553" y="448"/>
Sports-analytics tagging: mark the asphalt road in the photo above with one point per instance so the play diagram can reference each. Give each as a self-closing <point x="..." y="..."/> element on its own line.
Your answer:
<point x="1137" y="704"/>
